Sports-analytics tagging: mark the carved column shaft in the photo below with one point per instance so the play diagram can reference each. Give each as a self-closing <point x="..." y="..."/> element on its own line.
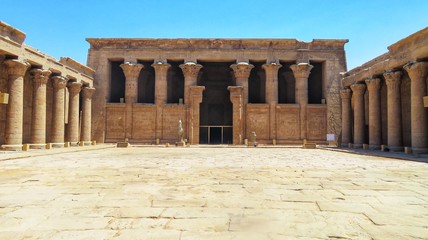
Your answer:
<point x="236" y="97"/>
<point x="16" y="70"/>
<point x="358" y="91"/>
<point x="132" y="72"/>
<point x="373" y="87"/>
<point x="242" y="72"/>
<point x="58" y="119"/>
<point x="418" y="73"/>
<point x="393" y="83"/>
<point x="161" y="85"/>
<point x="86" y="114"/>
<point x="272" y="94"/>
<point x="73" y="115"/>
<point x="346" y="117"/>
<point x="38" y="121"/>
<point x="301" y="73"/>
<point x="196" y="100"/>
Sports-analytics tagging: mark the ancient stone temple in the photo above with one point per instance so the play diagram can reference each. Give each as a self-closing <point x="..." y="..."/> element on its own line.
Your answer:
<point x="222" y="90"/>
<point x="49" y="101"/>
<point x="383" y="100"/>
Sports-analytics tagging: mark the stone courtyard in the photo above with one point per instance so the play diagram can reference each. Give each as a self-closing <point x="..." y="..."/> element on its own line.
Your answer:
<point x="210" y="193"/>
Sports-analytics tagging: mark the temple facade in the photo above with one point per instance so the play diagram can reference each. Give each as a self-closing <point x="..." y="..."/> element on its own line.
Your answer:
<point x="383" y="100"/>
<point x="44" y="102"/>
<point x="223" y="90"/>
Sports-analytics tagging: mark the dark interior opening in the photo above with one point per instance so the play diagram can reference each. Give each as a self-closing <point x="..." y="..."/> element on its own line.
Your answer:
<point x="216" y="107"/>
<point x="117" y="82"/>
<point x="257" y="83"/>
<point x="315" y="83"/>
<point x="146" y="82"/>
<point x="175" y="82"/>
<point x="286" y="83"/>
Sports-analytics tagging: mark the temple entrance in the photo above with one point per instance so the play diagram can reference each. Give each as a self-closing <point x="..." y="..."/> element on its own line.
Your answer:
<point x="216" y="107"/>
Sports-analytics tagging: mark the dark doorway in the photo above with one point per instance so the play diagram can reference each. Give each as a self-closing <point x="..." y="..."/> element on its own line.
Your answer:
<point x="315" y="83"/>
<point x="216" y="107"/>
<point x="175" y="85"/>
<point x="146" y="82"/>
<point x="257" y="83"/>
<point x="117" y="81"/>
<point x="286" y="83"/>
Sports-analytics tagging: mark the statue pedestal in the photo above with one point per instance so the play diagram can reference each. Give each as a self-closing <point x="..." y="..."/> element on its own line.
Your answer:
<point x="180" y="144"/>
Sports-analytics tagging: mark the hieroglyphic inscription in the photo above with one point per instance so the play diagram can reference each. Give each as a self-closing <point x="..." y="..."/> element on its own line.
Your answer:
<point x="258" y="120"/>
<point x="144" y="122"/>
<point x="316" y="123"/>
<point x="288" y="123"/>
<point x="115" y="123"/>
<point x="171" y="115"/>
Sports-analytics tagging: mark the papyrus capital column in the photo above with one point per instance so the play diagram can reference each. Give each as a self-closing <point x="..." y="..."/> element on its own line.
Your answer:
<point x="87" y="93"/>
<point x="242" y="72"/>
<point x="131" y="71"/>
<point x="190" y="72"/>
<point x="161" y="84"/>
<point x="345" y="95"/>
<point x="373" y="86"/>
<point x="271" y="70"/>
<point x="38" y="122"/>
<point x="58" y="118"/>
<point x="16" y="70"/>
<point x="393" y="84"/>
<point x="194" y="123"/>
<point x="73" y="115"/>
<point x="301" y="73"/>
<point x="418" y="89"/>
<point x="358" y="90"/>
<point x="237" y="99"/>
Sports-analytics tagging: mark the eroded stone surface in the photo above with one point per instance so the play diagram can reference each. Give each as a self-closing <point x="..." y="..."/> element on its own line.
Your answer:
<point x="212" y="193"/>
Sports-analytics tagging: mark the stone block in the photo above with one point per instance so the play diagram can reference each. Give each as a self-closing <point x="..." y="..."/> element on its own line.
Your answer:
<point x="180" y="144"/>
<point x="48" y="145"/>
<point x="157" y="141"/>
<point x="350" y="145"/>
<point x="426" y="101"/>
<point x="94" y="142"/>
<point x="365" y="146"/>
<point x="309" y="145"/>
<point x="25" y="147"/>
<point x="67" y="144"/>
<point x="408" y="150"/>
<point x="122" y="144"/>
<point x="81" y="143"/>
<point x="273" y="141"/>
<point x="384" y="148"/>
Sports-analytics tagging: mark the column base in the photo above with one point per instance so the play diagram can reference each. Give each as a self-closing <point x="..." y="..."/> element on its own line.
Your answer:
<point x="419" y="150"/>
<point x="374" y="147"/>
<point x="57" y="145"/>
<point x="395" y="148"/>
<point x="357" y="145"/>
<point x="85" y="143"/>
<point x="37" y="145"/>
<point x="17" y="147"/>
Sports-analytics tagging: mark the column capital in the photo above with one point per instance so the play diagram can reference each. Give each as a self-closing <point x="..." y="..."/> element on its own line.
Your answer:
<point x="131" y="70"/>
<point x="190" y="69"/>
<point x="301" y="70"/>
<point x="59" y="82"/>
<point x="373" y="84"/>
<point x="88" y="92"/>
<point x="358" y="88"/>
<point x="393" y="79"/>
<point x="242" y="69"/>
<point x="40" y="76"/>
<point x="74" y="87"/>
<point x="161" y="66"/>
<point x="16" y="67"/>
<point x="345" y="93"/>
<point x="271" y="66"/>
<point x="417" y="70"/>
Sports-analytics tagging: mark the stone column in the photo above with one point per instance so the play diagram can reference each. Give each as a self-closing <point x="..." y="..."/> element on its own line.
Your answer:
<point x="301" y="73"/>
<point x="132" y="72"/>
<point x="73" y="114"/>
<point x="242" y="72"/>
<point x="237" y="99"/>
<point x="58" y="118"/>
<point x="358" y="90"/>
<point x="190" y="72"/>
<point x="86" y="115"/>
<point x="38" y="121"/>
<point x="418" y="89"/>
<point x="16" y="70"/>
<point x="393" y="83"/>
<point x="161" y="92"/>
<point x="345" y="94"/>
<point x="271" y="70"/>
<point x="375" y="134"/>
<point x="195" y="101"/>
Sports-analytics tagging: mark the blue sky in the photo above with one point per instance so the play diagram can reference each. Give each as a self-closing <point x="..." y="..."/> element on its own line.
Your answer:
<point x="59" y="28"/>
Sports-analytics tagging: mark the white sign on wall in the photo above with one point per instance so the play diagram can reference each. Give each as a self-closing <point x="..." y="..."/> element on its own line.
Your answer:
<point x="330" y="137"/>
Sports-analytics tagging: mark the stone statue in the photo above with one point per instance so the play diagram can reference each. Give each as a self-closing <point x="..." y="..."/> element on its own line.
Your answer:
<point x="180" y="131"/>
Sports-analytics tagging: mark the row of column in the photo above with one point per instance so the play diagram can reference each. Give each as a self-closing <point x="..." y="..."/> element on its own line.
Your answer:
<point x="16" y="71"/>
<point x="418" y="73"/>
<point x="241" y="71"/>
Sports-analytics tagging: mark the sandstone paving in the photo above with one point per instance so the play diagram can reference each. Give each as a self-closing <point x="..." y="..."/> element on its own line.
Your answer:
<point x="211" y="193"/>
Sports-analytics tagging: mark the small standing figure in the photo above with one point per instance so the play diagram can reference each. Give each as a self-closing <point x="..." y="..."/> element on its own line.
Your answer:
<point x="180" y="131"/>
<point x="254" y="138"/>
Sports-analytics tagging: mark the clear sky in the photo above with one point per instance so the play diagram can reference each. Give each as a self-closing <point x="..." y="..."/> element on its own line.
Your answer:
<point x="59" y="28"/>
